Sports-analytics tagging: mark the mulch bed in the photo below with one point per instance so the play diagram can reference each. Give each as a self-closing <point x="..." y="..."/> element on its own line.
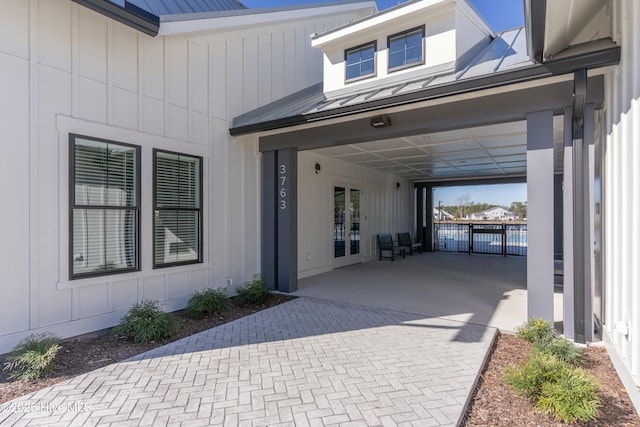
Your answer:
<point x="495" y="404"/>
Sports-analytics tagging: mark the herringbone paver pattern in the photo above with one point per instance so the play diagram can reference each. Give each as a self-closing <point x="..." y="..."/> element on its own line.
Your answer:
<point x="303" y="363"/>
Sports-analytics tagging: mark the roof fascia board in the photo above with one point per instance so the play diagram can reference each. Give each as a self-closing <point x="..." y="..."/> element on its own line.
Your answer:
<point x="129" y="15"/>
<point x="380" y="18"/>
<point x="535" y="18"/>
<point x="255" y="17"/>
<point x="599" y="59"/>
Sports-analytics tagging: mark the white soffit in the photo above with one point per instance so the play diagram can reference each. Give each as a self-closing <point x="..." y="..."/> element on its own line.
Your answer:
<point x="565" y="20"/>
<point x="491" y="151"/>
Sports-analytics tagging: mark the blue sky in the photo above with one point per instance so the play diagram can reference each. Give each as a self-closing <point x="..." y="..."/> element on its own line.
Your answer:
<point x="498" y="194"/>
<point x="501" y="15"/>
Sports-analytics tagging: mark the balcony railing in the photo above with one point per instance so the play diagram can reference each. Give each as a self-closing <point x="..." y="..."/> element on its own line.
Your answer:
<point x="482" y="237"/>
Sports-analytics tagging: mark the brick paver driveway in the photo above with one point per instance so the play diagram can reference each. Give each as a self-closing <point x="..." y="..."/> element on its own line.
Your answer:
<point x="307" y="362"/>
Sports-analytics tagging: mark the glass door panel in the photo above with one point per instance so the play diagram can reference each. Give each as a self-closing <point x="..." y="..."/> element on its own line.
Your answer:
<point x="354" y="219"/>
<point x="339" y="220"/>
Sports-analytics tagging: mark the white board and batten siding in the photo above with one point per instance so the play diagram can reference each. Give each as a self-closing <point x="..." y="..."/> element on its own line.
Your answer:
<point x="621" y="190"/>
<point x="384" y="208"/>
<point x="66" y="69"/>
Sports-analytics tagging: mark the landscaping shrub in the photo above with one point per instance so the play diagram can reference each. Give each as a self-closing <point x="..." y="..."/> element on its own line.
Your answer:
<point x="536" y="331"/>
<point x="573" y="396"/>
<point x="562" y="349"/>
<point x="207" y="302"/>
<point x="540" y="368"/>
<point x="550" y="378"/>
<point x="254" y="292"/>
<point x="32" y="357"/>
<point x="145" y="322"/>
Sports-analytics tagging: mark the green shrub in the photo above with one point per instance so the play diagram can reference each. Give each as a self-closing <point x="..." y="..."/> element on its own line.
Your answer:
<point x="562" y="349"/>
<point x="145" y="322"/>
<point x="536" y="331"/>
<point x="540" y="368"/>
<point x="207" y="302"/>
<point x="32" y="357"/>
<point x="254" y="292"/>
<point x="573" y="396"/>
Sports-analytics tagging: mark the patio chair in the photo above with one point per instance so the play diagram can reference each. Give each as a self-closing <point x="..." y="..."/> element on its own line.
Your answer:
<point x="404" y="240"/>
<point x="385" y="244"/>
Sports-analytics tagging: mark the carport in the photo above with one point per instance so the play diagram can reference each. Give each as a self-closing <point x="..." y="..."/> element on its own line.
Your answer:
<point x="499" y="89"/>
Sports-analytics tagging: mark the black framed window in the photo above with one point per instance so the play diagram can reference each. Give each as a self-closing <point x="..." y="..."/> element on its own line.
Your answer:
<point x="177" y="215"/>
<point x="360" y="61"/>
<point x="104" y="207"/>
<point x="405" y="49"/>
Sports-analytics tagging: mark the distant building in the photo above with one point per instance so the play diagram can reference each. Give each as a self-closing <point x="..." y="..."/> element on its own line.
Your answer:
<point x="441" y="214"/>
<point x="497" y="213"/>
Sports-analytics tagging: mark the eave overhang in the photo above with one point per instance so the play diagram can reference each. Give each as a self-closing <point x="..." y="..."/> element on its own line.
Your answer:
<point x="606" y="53"/>
<point x="129" y="15"/>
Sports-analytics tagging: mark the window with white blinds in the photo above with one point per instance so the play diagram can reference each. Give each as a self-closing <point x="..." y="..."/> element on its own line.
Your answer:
<point x="177" y="216"/>
<point x="104" y="207"/>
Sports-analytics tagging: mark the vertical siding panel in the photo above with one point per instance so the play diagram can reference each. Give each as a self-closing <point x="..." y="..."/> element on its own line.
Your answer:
<point x="277" y="65"/>
<point x="301" y="41"/>
<point x="289" y="62"/>
<point x="265" y="65"/>
<point x="250" y="83"/>
<point x="234" y="188"/>
<point x="15" y="162"/>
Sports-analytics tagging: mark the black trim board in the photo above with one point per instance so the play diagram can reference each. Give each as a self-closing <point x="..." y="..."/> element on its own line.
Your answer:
<point x="496" y="108"/>
<point x="130" y="15"/>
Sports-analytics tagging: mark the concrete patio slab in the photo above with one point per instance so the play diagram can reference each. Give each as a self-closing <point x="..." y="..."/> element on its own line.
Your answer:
<point x="307" y="362"/>
<point x="482" y="289"/>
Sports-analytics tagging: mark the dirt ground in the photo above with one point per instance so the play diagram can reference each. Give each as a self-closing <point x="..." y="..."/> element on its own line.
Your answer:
<point x="494" y="404"/>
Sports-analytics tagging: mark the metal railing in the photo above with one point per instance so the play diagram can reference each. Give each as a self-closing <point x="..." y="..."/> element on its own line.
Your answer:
<point x="481" y="238"/>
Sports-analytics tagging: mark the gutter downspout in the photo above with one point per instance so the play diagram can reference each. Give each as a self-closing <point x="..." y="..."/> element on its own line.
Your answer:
<point x="581" y="280"/>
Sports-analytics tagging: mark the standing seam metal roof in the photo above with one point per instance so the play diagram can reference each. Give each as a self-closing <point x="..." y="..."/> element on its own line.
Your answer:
<point x="172" y="7"/>
<point x="507" y="51"/>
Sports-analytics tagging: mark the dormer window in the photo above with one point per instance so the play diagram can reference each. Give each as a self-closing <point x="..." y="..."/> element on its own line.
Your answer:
<point x="406" y="49"/>
<point x="360" y="61"/>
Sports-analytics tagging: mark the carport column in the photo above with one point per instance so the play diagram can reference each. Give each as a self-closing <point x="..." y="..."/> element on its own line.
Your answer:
<point x="280" y="219"/>
<point x="269" y="241"/>
<point x="567" y="235"/>
<point x="287" y="207"/>
<point x="428" y="204"/>
<point x="540" y="214"/>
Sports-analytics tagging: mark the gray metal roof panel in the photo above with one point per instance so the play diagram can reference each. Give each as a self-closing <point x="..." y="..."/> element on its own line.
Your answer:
<point x="497" y="62"/>
<point x="173" y="7"/>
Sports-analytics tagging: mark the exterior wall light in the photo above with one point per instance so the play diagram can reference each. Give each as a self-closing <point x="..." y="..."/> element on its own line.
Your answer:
<point x="317" y="168"/>
<point x="380" y="122"/>
<point x="397" y="185"/>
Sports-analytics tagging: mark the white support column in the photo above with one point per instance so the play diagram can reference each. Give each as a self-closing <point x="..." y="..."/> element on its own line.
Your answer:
<point x="567" y="220"/>
<point x="540" y="214"/>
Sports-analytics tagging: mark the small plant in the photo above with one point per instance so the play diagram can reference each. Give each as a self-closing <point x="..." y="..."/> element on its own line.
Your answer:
<point x="536" y="331"/>
<point x="539" y="369"/>
<point x="145" y="322"/>
<point x="32" y="357"/>
<point x="254" y="292"/>
<point x="207" y="302"/>
<point x="562" y="349"/>
<point x="572" y="397"/>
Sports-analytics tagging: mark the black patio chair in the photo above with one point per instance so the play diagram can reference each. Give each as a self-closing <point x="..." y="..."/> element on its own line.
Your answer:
<point x="385" y="244"/>
<point x="404" y="240"/>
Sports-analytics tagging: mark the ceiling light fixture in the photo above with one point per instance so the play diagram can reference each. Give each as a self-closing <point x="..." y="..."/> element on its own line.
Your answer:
<point x="380" y="122"/>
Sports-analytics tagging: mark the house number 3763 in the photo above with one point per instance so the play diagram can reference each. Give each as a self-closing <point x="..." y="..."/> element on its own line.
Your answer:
<point x="283" y="189"/>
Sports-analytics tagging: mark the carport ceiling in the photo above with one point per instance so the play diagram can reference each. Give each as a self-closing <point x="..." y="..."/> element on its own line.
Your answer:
<point x="493" y="151"/>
